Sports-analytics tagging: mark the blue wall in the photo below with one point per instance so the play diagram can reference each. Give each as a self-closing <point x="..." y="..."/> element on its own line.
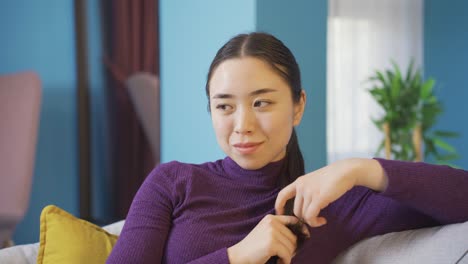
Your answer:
<point x="446" y="59"/>
<point x="302" y="26"/>
<point x="191" y="32"/>
<point x="40" y="37"/>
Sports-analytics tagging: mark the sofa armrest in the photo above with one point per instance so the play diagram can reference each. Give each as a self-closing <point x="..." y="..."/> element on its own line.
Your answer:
<point x="441" y="244"/>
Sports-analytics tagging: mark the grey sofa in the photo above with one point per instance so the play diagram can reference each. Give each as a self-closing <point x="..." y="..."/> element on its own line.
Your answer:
<point x="436" y="245"/>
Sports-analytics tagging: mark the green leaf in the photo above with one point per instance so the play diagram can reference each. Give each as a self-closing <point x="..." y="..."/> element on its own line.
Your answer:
<point x="381" y="78"/>
<point x="409" y="73"/>
<point x="446" y="134"/>
<point x="448" y="164"/>
<point x="430" y="148"/>
<point x="426" y="88"/>
<point x="449" y="157"/>
<point x="397" y="70"/>
<point x="432" y="100"/>
<point x="444" y="145"/>
<point x="376" y="92"/>
<point x="396" y="87"/>
<point x="415" y="83"/>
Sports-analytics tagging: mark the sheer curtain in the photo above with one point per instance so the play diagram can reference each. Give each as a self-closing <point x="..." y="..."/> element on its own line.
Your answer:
<point x="363" y="36"/>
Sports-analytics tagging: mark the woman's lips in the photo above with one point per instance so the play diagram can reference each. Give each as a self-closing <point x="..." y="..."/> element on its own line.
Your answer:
<point x="247" y="148"/>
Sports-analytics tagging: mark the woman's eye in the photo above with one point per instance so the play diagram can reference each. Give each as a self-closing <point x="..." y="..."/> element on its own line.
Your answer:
<point x="223" y="107"/>
<point x="261" y="103"/>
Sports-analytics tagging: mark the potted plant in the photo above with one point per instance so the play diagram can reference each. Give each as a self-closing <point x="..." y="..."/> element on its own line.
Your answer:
<point x="410" y="111"/>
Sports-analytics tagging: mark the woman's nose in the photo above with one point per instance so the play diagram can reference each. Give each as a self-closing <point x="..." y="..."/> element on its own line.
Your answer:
<point x="245" y="122"/>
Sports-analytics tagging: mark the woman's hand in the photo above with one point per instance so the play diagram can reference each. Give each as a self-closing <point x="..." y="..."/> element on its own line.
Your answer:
<point x="316" y="190"/>
<point x="269" y="238"/>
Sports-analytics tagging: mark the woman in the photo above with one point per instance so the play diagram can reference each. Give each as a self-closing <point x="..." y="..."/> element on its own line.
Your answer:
<point x="232" y="210"/>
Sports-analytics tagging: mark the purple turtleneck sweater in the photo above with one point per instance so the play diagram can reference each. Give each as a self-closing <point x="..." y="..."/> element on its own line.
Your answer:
<point x="185" y="213"/>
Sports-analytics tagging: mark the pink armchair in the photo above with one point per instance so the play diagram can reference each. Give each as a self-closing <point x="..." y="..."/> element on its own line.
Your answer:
<point x="20" y="98"/>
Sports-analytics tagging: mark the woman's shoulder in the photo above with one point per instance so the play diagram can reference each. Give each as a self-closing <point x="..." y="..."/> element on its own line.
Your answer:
<point x="171" y="165"/>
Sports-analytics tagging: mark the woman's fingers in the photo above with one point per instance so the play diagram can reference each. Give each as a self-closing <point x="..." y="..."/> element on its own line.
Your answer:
<point x="311" y="213"/>
<point x="286" y="233"/>
<point x="285" y="255"/>
<point x="283" y="219"/>
<point x="298" y="205"/>
<point x="284" y="195"/>
<point x="287" y="237"/>
<point x="306" y="206"/>
<point x="270" y="237"/>
<point x="285" y="248"/>
<point x="308" y="201"/>
<point x="285" y="251"/>
<point x="284" y="240"/>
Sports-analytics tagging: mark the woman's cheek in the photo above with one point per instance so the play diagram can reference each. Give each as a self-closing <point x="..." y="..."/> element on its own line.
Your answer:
<point x="222" y="126"/>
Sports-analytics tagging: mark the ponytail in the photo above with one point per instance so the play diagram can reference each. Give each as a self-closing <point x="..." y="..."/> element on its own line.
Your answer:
<point x="292" y="169"/>
<point x="293" y="166"/>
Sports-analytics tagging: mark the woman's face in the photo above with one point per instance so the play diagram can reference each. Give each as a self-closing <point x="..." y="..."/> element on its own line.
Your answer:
<point x="252" y="111"/>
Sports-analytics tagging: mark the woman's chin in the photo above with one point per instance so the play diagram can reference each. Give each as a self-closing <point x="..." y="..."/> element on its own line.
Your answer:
<point x="250" y="164"/>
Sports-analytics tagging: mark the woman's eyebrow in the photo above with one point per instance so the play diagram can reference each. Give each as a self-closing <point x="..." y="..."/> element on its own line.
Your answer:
<point x="262" y="91"/>
<point x="256" y="92"/>
<point x="222" y="96"/>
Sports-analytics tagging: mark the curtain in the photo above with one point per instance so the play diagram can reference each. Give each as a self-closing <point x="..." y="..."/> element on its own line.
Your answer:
<point x="364" y="36"/>
<point x="132" y="46"/>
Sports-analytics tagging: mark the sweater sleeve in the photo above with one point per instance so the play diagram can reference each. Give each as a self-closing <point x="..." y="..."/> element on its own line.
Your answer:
<point x="148" y="222"/>
<point x="438" y="191"/>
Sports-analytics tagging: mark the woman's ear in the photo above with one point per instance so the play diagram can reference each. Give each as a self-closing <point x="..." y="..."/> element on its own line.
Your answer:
<point x="299" y="108"/>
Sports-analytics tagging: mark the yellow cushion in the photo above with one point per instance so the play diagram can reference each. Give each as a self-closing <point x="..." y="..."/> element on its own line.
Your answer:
<point x="67" y="239"/>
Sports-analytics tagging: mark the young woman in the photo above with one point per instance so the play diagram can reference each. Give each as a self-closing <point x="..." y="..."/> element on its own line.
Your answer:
<point x="233" y="210"/>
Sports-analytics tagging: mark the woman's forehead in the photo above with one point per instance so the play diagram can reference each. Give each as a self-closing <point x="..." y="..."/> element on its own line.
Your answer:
<point x="244" y="76"/>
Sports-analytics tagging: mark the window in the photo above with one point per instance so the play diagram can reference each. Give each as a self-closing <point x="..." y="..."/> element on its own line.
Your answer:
<point x="364" y="36"/>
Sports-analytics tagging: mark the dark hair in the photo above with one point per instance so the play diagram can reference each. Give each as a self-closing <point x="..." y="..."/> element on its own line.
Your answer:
<point x="272" y="51"/>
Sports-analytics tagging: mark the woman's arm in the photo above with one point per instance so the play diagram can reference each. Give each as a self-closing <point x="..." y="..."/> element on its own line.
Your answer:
<point x="438" y="191"/>
<point x="435" y="190"/>
<point x="147" y="224"/>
